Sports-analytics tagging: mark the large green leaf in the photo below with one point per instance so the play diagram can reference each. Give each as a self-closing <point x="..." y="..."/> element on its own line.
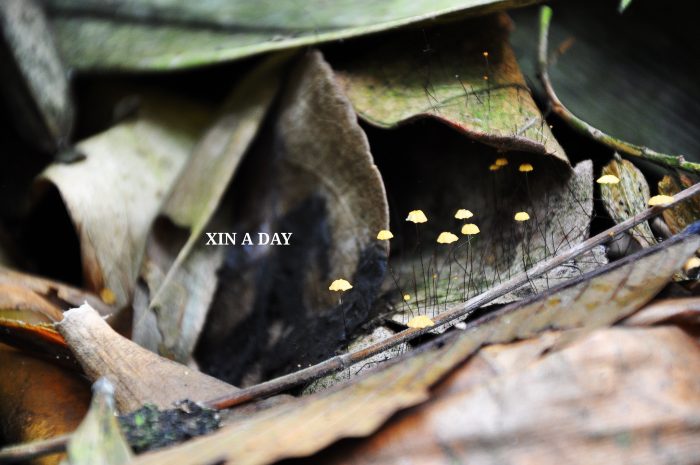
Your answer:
<point x="157" y="34"/>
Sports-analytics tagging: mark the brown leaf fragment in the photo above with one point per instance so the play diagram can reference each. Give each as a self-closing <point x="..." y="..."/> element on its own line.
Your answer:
<point x="627" y="197"/>
<point x="680" y="216"/>
<point x="619" y="396"/>
<point x="682" y="312"/>
<point x="139" y="376"/>
<point x="38" y="399"/>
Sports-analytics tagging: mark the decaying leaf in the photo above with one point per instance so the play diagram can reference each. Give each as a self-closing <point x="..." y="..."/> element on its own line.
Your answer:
<point x="34" y="83"/>
<point x="38" y="400"/>
<point x="55" y="293"/>
<point x="138" y="34"/>
<point x="682" y="312"/>
<point x="115" y="193"/>
<point x="326" y="193"/>
<point x="680" y="216"/>
<point x="180" y="274"/>
<point x="304" y="426"/>
<point x="463" y="74"/>
<point x="627" y="198"/>
<point x="620" y="396"/>
<point x="99" y="439"/>
<point x="139" y="375"/>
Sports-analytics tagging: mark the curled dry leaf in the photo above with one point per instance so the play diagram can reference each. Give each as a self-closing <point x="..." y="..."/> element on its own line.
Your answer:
<point x="680" y="216"/>
<point x="627" y="198"/>
<point x="152" y="34"/>
<point x="114" y="194"/>
<point x="139" y="376"/>
<point x="55" y="293"/>
<point x="682" y="312"/>
<point x="38" y="399"/>
<point x="619" y="396"/>
<point x="463" y="74"/>
<point x="99" y="439"/>
<point x="179" y="269"/>
<point x="304" y="426"/>
<point x="327" y="193"/>
<point x="34" y="82"/>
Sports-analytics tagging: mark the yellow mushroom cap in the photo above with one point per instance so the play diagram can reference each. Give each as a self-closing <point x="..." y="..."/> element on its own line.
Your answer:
<point x="470" y="229"/>
<point x="107" y="296"/>
<point x="463" y="214"/>
<point x="692" y="264"/>
<point x="421" y="321"/>
<point x="384" y="235"/>
<point x="522" y="216"/>
<point x="525" y="168"/>
<point x="660" y="200"/>
<point x="494" y="167"/>
<point x="501" y="161"/>
<point x="340" y="285"/>
<point x="447" y="238"/>
<point x="416" y="216"/>
<point x="608" y="179"/>
<point x="407" y="297"/>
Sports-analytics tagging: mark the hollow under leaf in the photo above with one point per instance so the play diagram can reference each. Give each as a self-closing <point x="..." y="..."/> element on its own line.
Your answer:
<point x="438" y="171"/>
<point x="155" y="34"/>
<point x="180" y="270"/>
<point x="114" y="194"/>
<point x="463" y="74"/>
<point x="273" y="310"/>
<point x="304" y="426"/>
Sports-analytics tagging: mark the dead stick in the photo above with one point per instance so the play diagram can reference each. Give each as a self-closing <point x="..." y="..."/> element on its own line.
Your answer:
<point x="28" y="451"/>
<point x="579" y="125"/>
<point x="283" y="383"/>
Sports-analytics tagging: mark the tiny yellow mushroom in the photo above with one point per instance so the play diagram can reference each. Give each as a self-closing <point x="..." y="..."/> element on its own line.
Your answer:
<point x="463" y="214"/>
<point x="407" y="297"/>
<point x="691" y="265"/>
<point x="521" y="216"/>
<point x="525" y="168"/>
<point x="501" y="161"/>
<point x="447" y="238"/>
<point x="660" y="200"/>
<point x="608" y="179"/>
<point x="470" y="229"/>
<point x="494" y="167"/>
<point x="421" y="321"/>
<point x="384" y="235"/>
<point x="416" y="216"/>
<point x="340" y="285"/>
<point x="107" y="296"/>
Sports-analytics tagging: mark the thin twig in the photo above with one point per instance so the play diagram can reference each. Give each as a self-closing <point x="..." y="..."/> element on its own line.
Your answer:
<point x="462" y="310"/>
<point x="625" y="148"/>
<point x="31" y="450"/>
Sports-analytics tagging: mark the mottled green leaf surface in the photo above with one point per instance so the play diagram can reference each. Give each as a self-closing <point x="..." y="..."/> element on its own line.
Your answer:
<point x="151" y="34"/>
<point x="463" y="74"/>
